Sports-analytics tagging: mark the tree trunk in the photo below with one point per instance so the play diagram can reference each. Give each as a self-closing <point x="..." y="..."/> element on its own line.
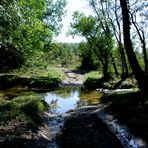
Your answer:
<point x="106" y="75"/>
<point x="115" y="67"/>
<point x="124" y="62"/>
<point x="143" y="43"/>
<point x="145" y="55"/>
<point x="141" y="77"/>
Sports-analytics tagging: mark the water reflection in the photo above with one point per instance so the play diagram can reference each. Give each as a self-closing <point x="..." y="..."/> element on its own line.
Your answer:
<point x="65" y="99"/>
<point x="90" y="97"/>
<point x="62" y="100"/>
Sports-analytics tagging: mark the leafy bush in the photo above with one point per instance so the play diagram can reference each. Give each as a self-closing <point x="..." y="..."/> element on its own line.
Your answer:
<point x="10" y="58"/>
<point x="91" y="83"/>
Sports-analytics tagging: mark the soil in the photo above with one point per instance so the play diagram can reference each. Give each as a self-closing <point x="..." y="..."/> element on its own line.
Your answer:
<point x="24" y="136"/>
<point x="84" y="130"/>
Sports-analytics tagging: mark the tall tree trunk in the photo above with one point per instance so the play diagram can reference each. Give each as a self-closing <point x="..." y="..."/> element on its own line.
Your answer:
<point x="143" y="43"/>
<point x="106" y="74"/>
<point x="124" y="62"/>
<point x="142" y="79"/>
<point x="115" y="67"/>
<point x="145" y="56"/>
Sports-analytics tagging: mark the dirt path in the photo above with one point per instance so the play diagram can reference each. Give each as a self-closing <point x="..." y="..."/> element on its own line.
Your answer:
<point x="72" y="78"/>
<point x="83" y="129"/>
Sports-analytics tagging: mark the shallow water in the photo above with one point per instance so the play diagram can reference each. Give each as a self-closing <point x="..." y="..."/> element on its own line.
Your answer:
<point x="60" y="101"/>
<point x="67" y="98"/>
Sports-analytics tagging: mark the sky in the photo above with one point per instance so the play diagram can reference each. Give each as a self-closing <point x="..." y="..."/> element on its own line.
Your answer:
<point x="72" y="6"/>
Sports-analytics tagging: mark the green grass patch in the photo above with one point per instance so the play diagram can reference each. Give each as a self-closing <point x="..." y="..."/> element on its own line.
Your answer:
<point x="45" y="77"/>
<point x="48" y="71"/>
<point x="94" y="79"/>
<point x="24" y="108"/>
<point x="91" y="79"/>
<point x="92" y="75"/>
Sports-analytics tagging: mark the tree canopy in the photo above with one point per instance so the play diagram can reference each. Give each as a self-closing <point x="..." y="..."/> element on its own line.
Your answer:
<point x="29" y="25"/>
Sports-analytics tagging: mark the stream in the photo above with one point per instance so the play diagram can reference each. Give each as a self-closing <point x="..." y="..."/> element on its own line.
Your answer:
<point x="71" y="96"/>
<point x="63" y="100"/>
<point x="68" y="100"/>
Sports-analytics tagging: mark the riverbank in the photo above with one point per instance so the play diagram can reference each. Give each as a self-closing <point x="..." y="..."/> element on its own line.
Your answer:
<point x="81" y="125"/>
<point x="77" y="122"/>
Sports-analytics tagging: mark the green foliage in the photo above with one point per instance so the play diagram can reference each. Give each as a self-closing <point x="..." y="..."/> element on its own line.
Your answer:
<point x="93" y="74"/>
<point x="99" y="43"/>
<point x="63" y="53"/>
<point x="53" y="14"/>
<point x="91" y="79"/>
<point x="25" y="108"/>
<point x="24" y="26"/>
<point x="89" y="60"/>
<point x="9" y="54"/>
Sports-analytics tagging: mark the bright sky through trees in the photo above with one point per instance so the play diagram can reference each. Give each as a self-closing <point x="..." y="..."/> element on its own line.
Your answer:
<point x="73" y="5"/>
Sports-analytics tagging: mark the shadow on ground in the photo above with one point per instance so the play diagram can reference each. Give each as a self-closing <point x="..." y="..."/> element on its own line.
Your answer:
<point x="25" y="143"/>
<point x="87" y="131"/>
<point x="132" y="109"/>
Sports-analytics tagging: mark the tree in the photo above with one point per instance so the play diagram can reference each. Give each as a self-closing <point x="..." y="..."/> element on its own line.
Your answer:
<point x="141" y="77"/>
<point x="89" y="60"/>
<point x="138" y="10"/>
<point x="114" y="16"/>
<point x="23" y="25"/>
<point x="99" y="42"/>
<point x="100" y="9"/>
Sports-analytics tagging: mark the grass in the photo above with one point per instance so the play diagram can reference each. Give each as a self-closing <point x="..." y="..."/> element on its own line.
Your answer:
<point x="93" y="75"/>
<point x="26" y="108"/>
<point x="49" y="71"/>
<point x="94" y="79"/>
<point x="49" y="77"/>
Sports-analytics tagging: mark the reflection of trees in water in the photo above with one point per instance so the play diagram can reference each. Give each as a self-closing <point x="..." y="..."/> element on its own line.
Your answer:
<point x="66" y="92"/>
<point x="91" y="97"/>
<point x="53" y="105"/>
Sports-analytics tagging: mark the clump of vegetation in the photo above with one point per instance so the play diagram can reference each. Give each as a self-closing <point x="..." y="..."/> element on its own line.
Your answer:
<point x="32" y="77"/>
<point x="95" y="80"/>
<point x="26" y="109"/>
<point x="9" y="54"/>
<point x="92" y="74"/>
<point x="40" y="82"/>
<point x="93" y="83"/>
